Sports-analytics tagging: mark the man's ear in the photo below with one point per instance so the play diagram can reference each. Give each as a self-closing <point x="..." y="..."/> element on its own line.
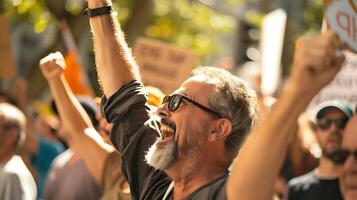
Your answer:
<point x="220" y="129"/>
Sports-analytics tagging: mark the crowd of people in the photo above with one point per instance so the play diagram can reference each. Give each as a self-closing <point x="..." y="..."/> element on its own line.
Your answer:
<point x="203" y="141"/>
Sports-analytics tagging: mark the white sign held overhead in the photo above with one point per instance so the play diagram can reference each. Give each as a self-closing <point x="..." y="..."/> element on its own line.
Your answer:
<point x="342" y="18"/>
<point x="273" y="32"/>
<point x="343" y="86"/>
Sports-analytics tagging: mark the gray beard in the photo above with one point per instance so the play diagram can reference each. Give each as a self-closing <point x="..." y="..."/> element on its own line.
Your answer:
<point x="162" y="157"/>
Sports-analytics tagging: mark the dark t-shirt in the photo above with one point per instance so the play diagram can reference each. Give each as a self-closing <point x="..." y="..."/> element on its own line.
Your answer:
<point x="311" y="187"/>
<point x="133" y="133"/>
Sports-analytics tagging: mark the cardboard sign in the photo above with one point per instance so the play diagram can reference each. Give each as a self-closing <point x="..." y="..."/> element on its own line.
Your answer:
<point x="7" y="65"/>
<point x="163" y="65"/>
<point x="342" y="18"/>
<point x="273" y="32"/>
<point x="343" y="86"/>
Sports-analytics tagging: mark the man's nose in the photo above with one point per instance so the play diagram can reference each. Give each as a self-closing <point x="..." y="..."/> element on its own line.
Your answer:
<point x="334" y="129"/>
<point x="162" y="110"/>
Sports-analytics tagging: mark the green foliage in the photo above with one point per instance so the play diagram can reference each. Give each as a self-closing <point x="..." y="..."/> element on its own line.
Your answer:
<point x="32" y="11"/>
<point x="313" y="15"/>
<point x="187" y="23"/>
<point x="190" y="25"/>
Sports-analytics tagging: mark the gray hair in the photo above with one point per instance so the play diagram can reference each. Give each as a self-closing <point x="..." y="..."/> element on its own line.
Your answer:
<point x="13" y="117"/>
<point x="234" y="100"/>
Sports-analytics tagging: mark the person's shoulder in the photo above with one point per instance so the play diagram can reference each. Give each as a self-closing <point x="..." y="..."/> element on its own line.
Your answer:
<point x="15" y="166"/>
<point x="9" y="176"/>
<point x="302" y="181"/>
<point x="62" y="159"/>
<point x="10" y="184"/>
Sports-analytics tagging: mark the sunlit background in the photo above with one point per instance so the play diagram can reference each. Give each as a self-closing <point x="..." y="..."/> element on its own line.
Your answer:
<point x="216" y="30"/>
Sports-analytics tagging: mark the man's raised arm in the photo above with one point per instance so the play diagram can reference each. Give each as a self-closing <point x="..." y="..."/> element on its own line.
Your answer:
<point x="317" y="60"/>
<point x="115" y="63"/>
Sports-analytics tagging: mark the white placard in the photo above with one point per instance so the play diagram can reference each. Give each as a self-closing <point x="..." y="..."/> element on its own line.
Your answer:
<point x="342" y="18"/>
<point x="273" y="32"/>
<point x="343" y="86"/>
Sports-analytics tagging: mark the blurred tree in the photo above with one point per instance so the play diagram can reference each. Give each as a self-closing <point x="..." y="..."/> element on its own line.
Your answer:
<point x="187" y="23"/>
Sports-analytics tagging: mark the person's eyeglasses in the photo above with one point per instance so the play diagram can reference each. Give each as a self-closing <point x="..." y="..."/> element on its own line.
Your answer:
<point x="326" y="123"/>
<point x="340" y="156"/>
<point x="175" y="100"/>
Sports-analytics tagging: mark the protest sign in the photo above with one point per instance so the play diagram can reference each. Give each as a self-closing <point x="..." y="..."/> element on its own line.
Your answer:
<point x="342" y="19"/>
<point x="343" y="86"/>
<point x="7" y="65"/>
<point x="163" y="65"/>
<point x="273" y="32"/>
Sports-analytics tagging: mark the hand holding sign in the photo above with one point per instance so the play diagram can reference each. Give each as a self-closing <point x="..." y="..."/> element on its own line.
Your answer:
<point x="342" y="18"/>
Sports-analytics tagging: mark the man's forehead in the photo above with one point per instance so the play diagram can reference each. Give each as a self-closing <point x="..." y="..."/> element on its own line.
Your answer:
<point x="196" y="84"/>
<point x="200" y="80"/>
<point x="350" y="134"/>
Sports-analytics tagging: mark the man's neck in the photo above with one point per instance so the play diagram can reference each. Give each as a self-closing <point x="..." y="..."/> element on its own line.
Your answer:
<point x="197" y="175"/>
<point x="327" y="169"/>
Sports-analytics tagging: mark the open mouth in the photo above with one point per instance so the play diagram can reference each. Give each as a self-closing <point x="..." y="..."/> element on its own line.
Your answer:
<point x="167" y="132"/>
<point x="167" y="129"/>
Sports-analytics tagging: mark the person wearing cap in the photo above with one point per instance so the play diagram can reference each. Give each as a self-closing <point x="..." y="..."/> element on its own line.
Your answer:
<point x="16" y="181"/>
<point x="322" y="183"/>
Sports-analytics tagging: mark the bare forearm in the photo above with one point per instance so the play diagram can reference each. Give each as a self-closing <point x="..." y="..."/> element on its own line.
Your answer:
<point x="114" y="60"/>
<point x="316" y="62"/>
<point x="262" y="154"/>
<point x="71" y="112"/>
<point x="84" y="138"/>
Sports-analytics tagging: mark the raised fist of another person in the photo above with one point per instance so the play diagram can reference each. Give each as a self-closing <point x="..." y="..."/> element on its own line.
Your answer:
<point x="52" y="66"/>
<point x="316" y="61"/>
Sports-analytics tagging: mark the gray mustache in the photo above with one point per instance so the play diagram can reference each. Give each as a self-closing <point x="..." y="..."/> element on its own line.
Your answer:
<point x="168" y="123"/>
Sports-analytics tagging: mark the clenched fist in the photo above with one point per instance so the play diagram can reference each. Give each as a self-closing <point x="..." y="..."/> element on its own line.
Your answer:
<point x="316" y="61"/>
<point x="52" y="66"/>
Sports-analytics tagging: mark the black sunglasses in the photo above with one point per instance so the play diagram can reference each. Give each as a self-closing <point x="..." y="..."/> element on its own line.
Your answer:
<point x="175" y="100"/>
<point x="340" y="156"/>
<point x="326" y="123"/>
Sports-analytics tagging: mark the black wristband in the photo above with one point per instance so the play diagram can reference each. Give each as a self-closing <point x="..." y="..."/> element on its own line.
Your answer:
<point x="98" y="11"/>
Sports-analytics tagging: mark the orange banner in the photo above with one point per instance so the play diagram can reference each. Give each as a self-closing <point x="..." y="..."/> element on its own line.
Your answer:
<point x="75" y="76"/>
